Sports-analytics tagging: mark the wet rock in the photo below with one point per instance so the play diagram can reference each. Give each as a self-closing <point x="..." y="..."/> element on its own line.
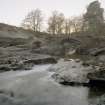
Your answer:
<point x="97" y="51"/>
<point x="41" y="60"/>
<point x="97" y="75"/>
<point x="17" y="67"/>
<point x="7" y="93"/>
<point x="4" y="68"/>
<point x="90" y="51"/>
<point x="89" y="62"/>
<point x="97" y="78"/>
<point x="86" y="64"/>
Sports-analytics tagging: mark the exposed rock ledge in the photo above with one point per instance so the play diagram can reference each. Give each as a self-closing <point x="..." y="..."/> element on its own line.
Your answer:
<point x="73" y="72"/>
<point x="70" y="72"/>
<point x="23" y="60"/>
<point x="97" y="78"/>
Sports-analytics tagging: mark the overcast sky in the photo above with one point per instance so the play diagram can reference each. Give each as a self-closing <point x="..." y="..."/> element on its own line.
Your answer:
<point x="14" y="11"/>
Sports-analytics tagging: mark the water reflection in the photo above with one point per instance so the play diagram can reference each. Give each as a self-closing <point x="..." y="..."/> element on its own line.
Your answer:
<point x="96" y="92"/>
<point x="96" y="95"/>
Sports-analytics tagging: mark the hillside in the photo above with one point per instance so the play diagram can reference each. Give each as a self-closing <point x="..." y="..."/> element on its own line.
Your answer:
<point x="16" y="46"/>
<point x="19" y="44"/>
<point x="14" y="32"/>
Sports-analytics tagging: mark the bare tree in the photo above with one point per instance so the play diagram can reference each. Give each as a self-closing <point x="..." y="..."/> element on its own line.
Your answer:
<point x="52" y="22"/>
<point x="60" y="23"/>
<point x="67" y="26"/>
<point x="55" y="23"/>
<point x="33" y="20"/>
<point x="77" y="24"/>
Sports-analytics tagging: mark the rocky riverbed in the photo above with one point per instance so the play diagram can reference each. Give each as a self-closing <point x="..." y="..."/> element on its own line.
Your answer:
<point x="14" y="58"/>
<point x="36" y="87"/>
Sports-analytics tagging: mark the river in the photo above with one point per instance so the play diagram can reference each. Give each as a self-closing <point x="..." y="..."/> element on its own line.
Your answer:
<point x="36" y="87"/>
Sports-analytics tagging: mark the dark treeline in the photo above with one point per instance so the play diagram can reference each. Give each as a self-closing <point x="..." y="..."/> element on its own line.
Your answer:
<point x="91" y="21"/>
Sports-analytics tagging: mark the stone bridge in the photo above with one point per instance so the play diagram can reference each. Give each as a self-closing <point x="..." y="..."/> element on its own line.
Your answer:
<point x="70" y="40"/>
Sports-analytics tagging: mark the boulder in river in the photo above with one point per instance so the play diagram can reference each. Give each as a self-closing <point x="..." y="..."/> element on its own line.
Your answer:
<point x="65" y="73"/>
<point x="4" y="67"/>
<point x="42" y="60"/>
<point x="97" y="78"/>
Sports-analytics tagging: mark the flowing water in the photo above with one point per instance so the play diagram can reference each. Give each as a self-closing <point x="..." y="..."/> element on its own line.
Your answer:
<point x="36" y="87"/>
